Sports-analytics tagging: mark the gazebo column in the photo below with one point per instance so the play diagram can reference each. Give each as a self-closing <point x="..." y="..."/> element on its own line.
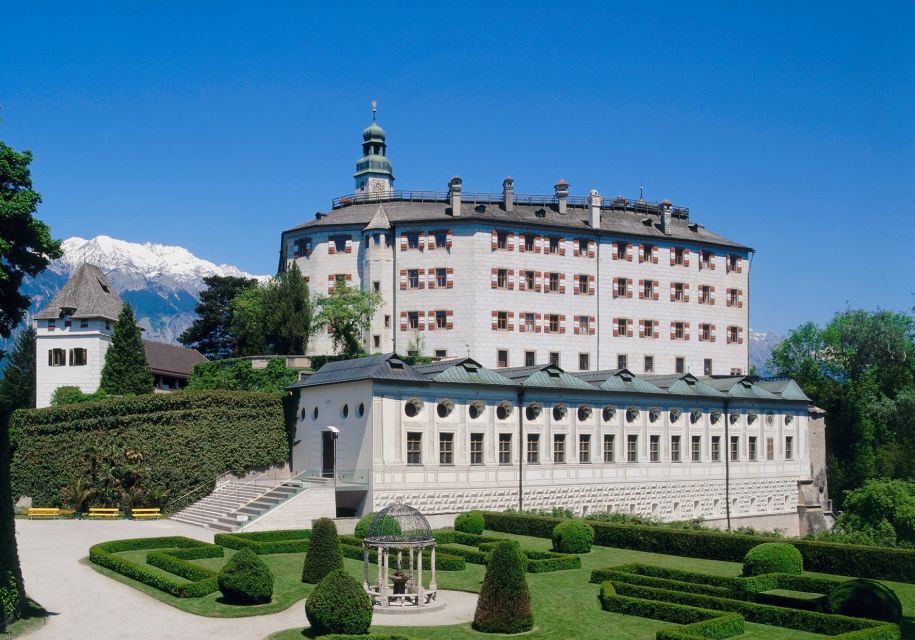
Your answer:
<point x="380" y="579"/>
<point x="400" y="559"/>
<point x="432" y="586"/>
<point x="419" y="577"/>
<point x="365" y="567"/>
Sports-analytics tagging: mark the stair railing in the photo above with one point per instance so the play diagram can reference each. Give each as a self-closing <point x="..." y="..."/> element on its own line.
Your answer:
<point x="214" y="483"/>
<point x="296" y="478"/>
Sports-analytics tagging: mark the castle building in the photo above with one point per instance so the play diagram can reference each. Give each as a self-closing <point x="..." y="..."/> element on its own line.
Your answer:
<point x="73" y="334"/>
<point x="586" y="283"/>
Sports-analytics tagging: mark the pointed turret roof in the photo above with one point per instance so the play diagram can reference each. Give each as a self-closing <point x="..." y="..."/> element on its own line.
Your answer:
<point x="87" y="294"/>
<point x="379" y="221"/>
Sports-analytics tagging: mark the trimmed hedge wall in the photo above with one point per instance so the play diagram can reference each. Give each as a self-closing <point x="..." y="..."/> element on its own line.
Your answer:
<point x="186" y="439"/>
<point x="881" y="563"/>
<point x="537" y="561"/>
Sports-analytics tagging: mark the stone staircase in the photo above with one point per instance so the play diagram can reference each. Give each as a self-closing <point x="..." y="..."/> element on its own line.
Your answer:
<point x="233" y="505"/>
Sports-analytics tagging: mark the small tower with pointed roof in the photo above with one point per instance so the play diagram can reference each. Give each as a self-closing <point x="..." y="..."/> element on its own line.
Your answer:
<point x="374" y="174"/>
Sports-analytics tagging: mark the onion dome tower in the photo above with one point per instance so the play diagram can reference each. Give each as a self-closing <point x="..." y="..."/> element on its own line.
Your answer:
<point x="374" y="175"/>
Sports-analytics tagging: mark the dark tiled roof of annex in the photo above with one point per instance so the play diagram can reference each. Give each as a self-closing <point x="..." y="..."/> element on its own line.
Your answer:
<point x="170" y="359"/>
<point x="385" y="366"/>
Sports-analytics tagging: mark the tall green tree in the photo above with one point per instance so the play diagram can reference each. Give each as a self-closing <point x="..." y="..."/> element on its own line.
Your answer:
<point x="26" y="248"/>
<point x="348" y="312"/>
<point x="17" y="388"/>
<point x="126" y="371"/>
<point x="211" y="332"/>
<point x="249" y="322"/>
<point x="289" y="313"/>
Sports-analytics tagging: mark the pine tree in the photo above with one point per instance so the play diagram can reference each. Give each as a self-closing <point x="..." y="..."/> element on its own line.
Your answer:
<point x="126" y="371"/>
<point x="17" y="389"/>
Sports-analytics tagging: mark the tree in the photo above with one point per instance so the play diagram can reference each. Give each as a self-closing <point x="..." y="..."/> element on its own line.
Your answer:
<point x="17" y="388"/>
<point x="289" y="314"/>
<point x="883" y="510"/>
<point x="504" y="605"/>
<point x="348" y="312"/>
<point x="126" y="371"/>
<point x="324" y="555"/>
<point x="239" y="375"/>
<point x="249" y="322"/>
<point x="210" y="333"/>
<point x="26" y="247"/>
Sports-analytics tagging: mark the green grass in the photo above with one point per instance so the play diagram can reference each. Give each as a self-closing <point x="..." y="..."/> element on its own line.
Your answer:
<point x="33" y="617"/>
<point x="797" y="595"/>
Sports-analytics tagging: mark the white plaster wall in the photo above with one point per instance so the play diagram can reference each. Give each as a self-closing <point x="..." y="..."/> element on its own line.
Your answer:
<point x="94" y="338"/>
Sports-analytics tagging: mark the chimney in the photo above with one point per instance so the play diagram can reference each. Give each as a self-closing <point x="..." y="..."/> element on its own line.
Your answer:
<point x="508" y="194"/>
<point x="594" y="201"/>
<point x="454" y="195"/>
<point x="562" y="192"/>
<point x="666" y="210"/>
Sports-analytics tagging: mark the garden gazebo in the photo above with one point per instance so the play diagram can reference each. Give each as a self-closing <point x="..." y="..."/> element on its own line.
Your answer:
<point x="401" y="530"/>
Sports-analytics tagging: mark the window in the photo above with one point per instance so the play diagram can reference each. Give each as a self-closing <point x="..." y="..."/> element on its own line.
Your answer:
<point x="502" y="357"/>
<point x="705" y="259"/>
<point x="412" y="240"/>
<point x="621" y="288"/>
<point x="414" y="448"/>
<point x="559" y="448"/>
<point x="734" y="334"/>
<point x="441" y="277"/>
<point x="554" y="245"/>
<point x="529" y="325"/>
<point x="57" y="358"/>
<point x="79" y="357"/>
<point x="649" y="364"/>
<point x="733" y="297"/>
<point x="654" y="448"/>
<point x="502" y="320"/>
<point x="554" y="357"/>
<point x="632" y="448"/>
<point x="446" y="448"/>
<point x="502" y="278"/>
<point x="696" y="449"/>
<point x="376" y="341"/>
<point x="340" y="243"/>
<point x="583" y="283"/>
<point x="387" y="322"/>
<point x="441" y="353"/>
<point x="441" y="239"/>
<point x="648" y="329"/>
<point x="584" y="325"/>
<point x="68" y="323"/>
<point x="554" y="323"/>
<point x="533" y="448"/>
<point x="716" y="448"/>
<point x="413" y="278"/>
<point x="476" y="448"/>
<point x="107" y="325"/>
<point x="770" y="449"/>
<point x="583" y="247"/>
<point x="622" y="327"/>
<point x="707" y="367"/>
<point x="584" y="448"/>
<point x="705" y="332"/>
<point x="622" y="361"/>
<point x="646" y="252"/>
<point x="502" y="240"/>
<point x="648" y="287"/>
<point x="52" y="324"/>
<point x="505" y="448"/>
<point x="735" y="448"/>
<point x="529" y="242"/>
<point x="675" y="448"/>
<point x="609" y="443"/>
<point x="553" y="282"/>
<point x="680" y="365"/>
<point x="584" y="361"/>
<point x="679" y="330"/>
<point x="441" y="319"/>
<point x="733" y="263"/>
<point x="529" y="280"/>
<point x="679" y="256"/>
<point x="705" y="294"/>
<point x="84" y="323"/>
<point x="622" y="249"/>
<point x="789" y="447"/>
<point x="679" y="292"/>
<point x="751" y="448"/>
<point x="413" y="319"/>
<point x="530" y="358"/>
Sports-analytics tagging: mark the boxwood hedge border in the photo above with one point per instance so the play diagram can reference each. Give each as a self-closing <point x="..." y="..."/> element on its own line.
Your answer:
<point x="537" y="561"/>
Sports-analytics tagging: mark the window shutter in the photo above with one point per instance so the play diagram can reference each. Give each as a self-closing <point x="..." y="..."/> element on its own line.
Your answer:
<point x="592" y="248"/>
<point x="613" y="251"/>
<point x="641" y="289"/>
<point x="349" y="277"/>
<point x="592" y="325"/>
<point x="431" y="316"/>
<point x="628" y="287"/>
<point x="430" y="241"/>
<point x="562" y="324"/>
<point x="713" y="334"/>
<point x="494" y="239"/>
<point x="403" y="320"/>
<point x="686" y="331"/>
<point x="521" y="328"/>
<point x="655" y="293"/>
<point x="641" y="253"/>
<point x="495" y="320"/>
<point x="673" y="330"/>
<point x="673" y="256"/>
<point x="331" y="247"/>
<point x="421" y="320"/>
<point x="538" y="317"/>
<point x="576" y="329"/>
<point x="562" y="246"/>
<point x="510" y="243"/>
<point x="686" y="257"/>
<point x="449" y="278"/>
<point x="711" y="299"/>
<point x="686" y="292"/>
<point x="641" y="328"/>
<point x="403" y="241"/>
<point x="450" y="318"/>
<point x="522" y="277"/>
<point x="511" y="321"/>
<point x="739" y="265"/>
<point x="538" y="244"/>
<point x="711" y="261"/>
<point x="654" y="255"/>
<point x="656" y="328"/>
<point x="629" y="328"/>
<point x="538" y="280"/>
<point x="740" y="298"/>
<point x="575" y="251"/>
<point x="591" y="285"/>
<point x="740" y="335"/>
<point x="511" y="279"/>
<point x="494" y="278"/>
<point x="673" y="292"/>
<point x="448" y="239"/>
<point x="562" y="283"/>
<point x="430" y="278"/>
<point x="629" y="253"/>
<point x="521" y="238"/>
<point x="403" y="279"/>
<point x="422" y="278"/>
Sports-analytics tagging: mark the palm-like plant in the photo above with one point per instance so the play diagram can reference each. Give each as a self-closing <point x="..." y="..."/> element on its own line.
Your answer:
<point x="77" y="494"/>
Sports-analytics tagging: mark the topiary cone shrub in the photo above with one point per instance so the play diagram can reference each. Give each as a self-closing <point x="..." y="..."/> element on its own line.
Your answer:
<point x="470" y="522"/>
<point x="773" y="557"/>
<point x="245" y="579"/>
<point x="504" y="605"/>
<point x="339" y="605"/>
<point x="389" y="526"/>
<point x="324" y="554"/>
<point x="573" y="536"/>
<point x="862" y="598"/>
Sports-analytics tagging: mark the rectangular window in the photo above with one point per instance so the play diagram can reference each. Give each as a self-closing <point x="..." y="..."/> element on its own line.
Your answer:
<point x="584" y="448"/>
<point x="679" y="256"/>
<point x="68" y="323"/>
<point x="733" y="263"/>
<point x="609" y="446"/>
<point x="679" y="292"/>
<point x="533" y="448"/>
<point x="505" y="448"/>
<point x="529" y="325"/>
<point x="632" y="448"/>
<point x="387" y="321"/>
<point x="584" y="325"/>
<point x="554" y="282"/>
<point x="622" y="325"/>
<point x="584" y="361"/>
<point x="705" y="294"/>
<point x="476" y="448"/>
<point x="414" y="448"/>
<point x="107" y="325"/>
<point x="716" y="448"/>
<point x="707" y="366"/>
<point x="79" y="357"/>
<point x="413" y="278"/>
<point x="446" y="448"/>
<point x="621" y="288"/>
<point x="751" y="448"/>
<point x="52" y="324"/>
<point x="441" y="319"/>
<point x="679" y="330"/>
<point x="705" y="332"/>
<point x="554" y="323"/>
<point x="502" y="357"/>
<point x="675" y="448"/>
<point x="441" y="353"/>
<point x="441" y="277"/>
<point x="441" y="239"/>
<point x="340" y="243"/>
<point x="554" y="245"/>
<point x="376" y="341"/>
<point x="376" y="286"/>
<point x="654" y="448"/>
<point x="621" y="249"/>
<point x="502" y="320"/>
<point x="502" y="240"/>
<point x="529" y="281"/>
<point x="582" y="247"/>
<point x="789" y="447"/>
<point x="648" y="328"/>
<point x="696" y="449"/>
<point x="83" y="324"/>
<point x="732" y="297"/>
<point x="622" y="361"/>
<point x="554" y="358"/>
<point x="647" y="250"/>
<point x="733" y="334"/>
<point x="770" y="449"/>
<point x="530" y="358"/>
<point x="57" y="358"/>
<point x="413" y="319"/>
<point x="648" y="289"/>
<point x="502" y="278"/>
<point x="705" y="258"/>
<point x="649" y="364"/>
<point x="679" y="365"/>
<point x="529" y="242"/>
<point x="583" y="283"/>
<point x="735" y="448"/>
<point x="412" y="240"/>
<point x="559" y="448"/>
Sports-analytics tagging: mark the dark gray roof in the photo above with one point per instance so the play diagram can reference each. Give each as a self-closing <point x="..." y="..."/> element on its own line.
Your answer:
<point x="88" y="294"/>
<point x="379" y="367"/>
<point x="623" y="222"/>
<point x="462" y="371"/>
<point x="171" y="360"/>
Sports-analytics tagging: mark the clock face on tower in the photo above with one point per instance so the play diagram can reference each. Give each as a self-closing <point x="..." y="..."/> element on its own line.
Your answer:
<point x="378" y="186"/>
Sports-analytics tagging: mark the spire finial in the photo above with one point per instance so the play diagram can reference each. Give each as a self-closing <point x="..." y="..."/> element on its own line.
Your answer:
<point x="641" y="190"/>
<point x="374" y="109"/>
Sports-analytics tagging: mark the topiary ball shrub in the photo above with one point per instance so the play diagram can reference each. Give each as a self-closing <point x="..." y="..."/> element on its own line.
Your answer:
<point x="470" y="522"/>
<point x="245" y="579"/>
<point x="573" y="536"/>
<point x="339" y="605"/>
<point x="773" y="557"/>
<point x="865" y="599"/>
<point x="389" y="526"/>
<point x="324" y="554"/>
<point x="504" y="605"/>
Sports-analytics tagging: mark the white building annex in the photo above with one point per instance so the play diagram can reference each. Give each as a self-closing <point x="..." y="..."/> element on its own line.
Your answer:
<point x="454" y="435"/>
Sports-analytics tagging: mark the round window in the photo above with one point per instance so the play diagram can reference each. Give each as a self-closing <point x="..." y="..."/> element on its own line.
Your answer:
<point x="675" y="414"/>
<point x="654" y="414"/>
<point x="443" y="409"/>
<point x="584" y="413"/>
<point x="504" y="410"/>
<point x="345" y="411"/>
<point x="608" y="414"/>
<point x="714" y="417"/>
<point x="361" y="409"/>
<point x="475" y="410"/>
<point x="559" y="412"/>
<point x="412" y="408"/>
<point x="532" y="411"/>
<point x="752" y="418"/>
<point x="303" y="413"/>
<point x="695" y="416"/>
<point x="735" y="417"/>
<point x="789" y="418"/>
<point x="632" y="414"/>
<point x="314" y="414"/>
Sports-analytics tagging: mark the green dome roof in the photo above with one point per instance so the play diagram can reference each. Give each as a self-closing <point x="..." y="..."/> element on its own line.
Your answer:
<point x="373" y="163"/>
<point x="373" y="132"/>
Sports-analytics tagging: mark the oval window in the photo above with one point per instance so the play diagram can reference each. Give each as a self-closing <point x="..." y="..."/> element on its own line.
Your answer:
<point x="504" y="410"/>
<point x="475" y="410"/>
<point x="735" y="417"/>
<point x="654" y="414"/>
<point x="412" y="408"/>
<point x="345" y="411"/>
<point x="695" y="415"/>
<point x="532" y="411"/>
<point x="789" y="418"/>
<point x="632" y="414"/>
<point x="714" y="417"/>
<point x="675" y="414"/>
<point x="303" y="413"/>
<point x="584" y="413"/>
<point x="559" y="412"/>
<point x="443" y="410"/>
<point x="361" y="409"/>
<point x="608" y="413"/>
<point x="752" y="418"/>
<point x="314" y="414"/>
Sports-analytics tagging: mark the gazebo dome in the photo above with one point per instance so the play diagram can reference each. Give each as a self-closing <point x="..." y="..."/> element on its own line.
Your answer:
<point x="398" y="523"/>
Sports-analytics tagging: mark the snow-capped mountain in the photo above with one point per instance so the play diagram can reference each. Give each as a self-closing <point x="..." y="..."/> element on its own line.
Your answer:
<point x="161" y="282"/>
<point x="761" y="345"/>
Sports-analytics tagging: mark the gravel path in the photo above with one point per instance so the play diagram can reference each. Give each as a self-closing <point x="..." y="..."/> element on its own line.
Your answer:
<point x="85" y="604"/>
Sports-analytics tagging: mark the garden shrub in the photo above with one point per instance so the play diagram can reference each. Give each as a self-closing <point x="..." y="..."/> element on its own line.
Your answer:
<point x="324" y="554"/>
<point x="865" y="599"/>
<point x="339" y="605"/>
<point x="266" y="542"/>
<point x="246" y="579"/>
<point x="389" y="526"/>
<point x="504" y="604"/>
<point x="573" y="536"/>
<point x="470" y="522"/>
<point x="773" y="557"/>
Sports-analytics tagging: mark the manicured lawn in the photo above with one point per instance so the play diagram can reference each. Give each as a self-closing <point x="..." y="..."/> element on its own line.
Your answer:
<point x="32" y="618"/>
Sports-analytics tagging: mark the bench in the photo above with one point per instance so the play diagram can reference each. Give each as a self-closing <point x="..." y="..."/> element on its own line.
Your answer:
<point x="43" y="512"/>
<point x="141" y="514"/>
<point x="104" y="512"/>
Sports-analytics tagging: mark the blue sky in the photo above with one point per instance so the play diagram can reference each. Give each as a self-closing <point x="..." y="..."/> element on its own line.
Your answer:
<point x="787" y="126"/>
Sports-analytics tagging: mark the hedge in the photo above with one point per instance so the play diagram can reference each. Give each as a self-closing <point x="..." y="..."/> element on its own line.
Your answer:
<point x="537" y="561"/>
<point x="202" y="583"/>
<point x="186" y="439"/>
<point x="773" y="557"/>
<point x="882" y="563"/>
<point x="338" y="604"/>
<point x="245" y="579"/>
<point x="265" y="543"/>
